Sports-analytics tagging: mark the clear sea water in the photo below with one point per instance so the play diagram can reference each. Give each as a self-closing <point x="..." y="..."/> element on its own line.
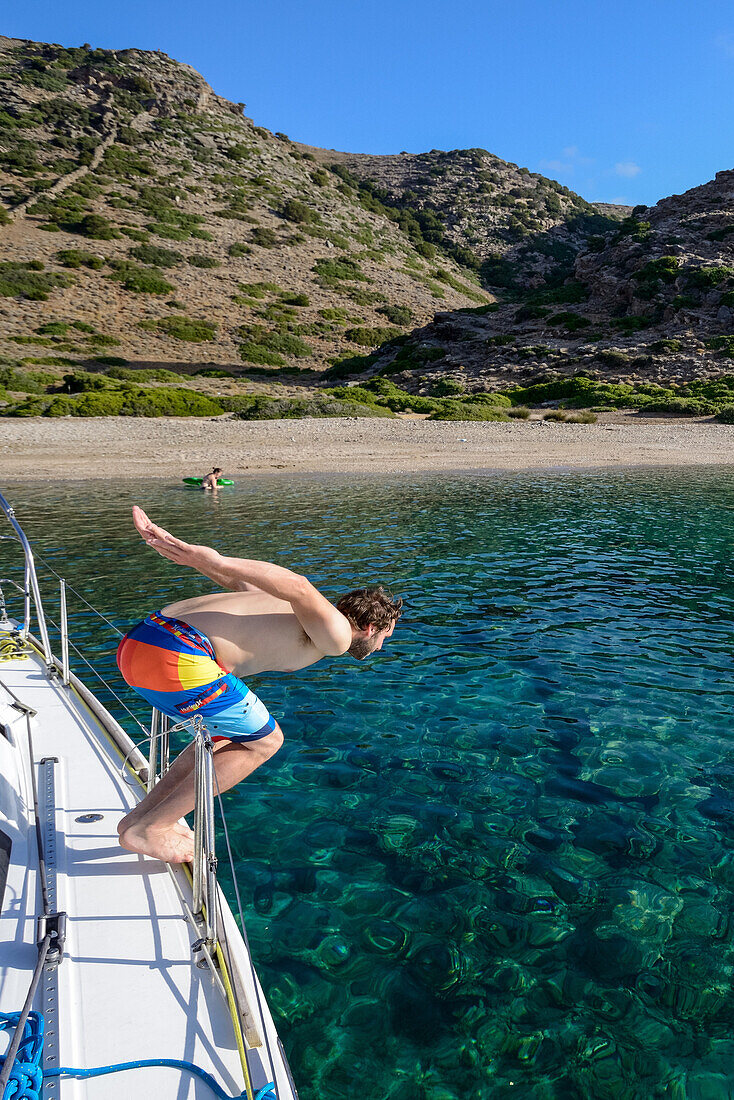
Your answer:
<point x="497" y="859"/>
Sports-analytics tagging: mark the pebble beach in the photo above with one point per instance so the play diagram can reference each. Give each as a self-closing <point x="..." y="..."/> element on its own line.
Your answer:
<point x="115" y="447"/>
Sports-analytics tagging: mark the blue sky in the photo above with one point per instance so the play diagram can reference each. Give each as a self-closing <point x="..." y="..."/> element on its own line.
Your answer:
<point x="624" y="102"/>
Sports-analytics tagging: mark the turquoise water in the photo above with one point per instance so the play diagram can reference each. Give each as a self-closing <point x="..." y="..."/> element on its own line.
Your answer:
<point x="496" y="859"/>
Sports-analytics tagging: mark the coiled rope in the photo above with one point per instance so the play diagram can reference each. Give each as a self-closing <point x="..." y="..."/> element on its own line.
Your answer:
<point x="27" y="1077"/>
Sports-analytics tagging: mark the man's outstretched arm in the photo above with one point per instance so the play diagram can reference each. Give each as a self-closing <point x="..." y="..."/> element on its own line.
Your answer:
<point x="327" y="628"/>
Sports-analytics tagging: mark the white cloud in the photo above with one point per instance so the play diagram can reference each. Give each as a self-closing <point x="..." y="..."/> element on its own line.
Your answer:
<point x="725" y="44"/>
<point x="555" y="166"/>
<point x="627" y="168"/>
<point x="569" y="160"/>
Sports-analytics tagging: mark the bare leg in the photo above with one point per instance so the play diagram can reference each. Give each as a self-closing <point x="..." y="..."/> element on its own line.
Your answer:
<point x="151" y="827"/>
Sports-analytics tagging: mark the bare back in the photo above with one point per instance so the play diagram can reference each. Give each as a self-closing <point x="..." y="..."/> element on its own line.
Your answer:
<point x="251" y="631"/>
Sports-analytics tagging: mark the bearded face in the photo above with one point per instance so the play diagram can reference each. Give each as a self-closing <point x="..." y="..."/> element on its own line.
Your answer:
<point x="361" y="647"/>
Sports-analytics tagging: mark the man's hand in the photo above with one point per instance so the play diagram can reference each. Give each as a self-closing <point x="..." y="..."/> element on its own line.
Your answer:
<point x="183" y="553"/>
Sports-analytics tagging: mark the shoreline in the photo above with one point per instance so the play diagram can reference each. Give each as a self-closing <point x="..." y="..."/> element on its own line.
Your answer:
<point x="73" y="449"/>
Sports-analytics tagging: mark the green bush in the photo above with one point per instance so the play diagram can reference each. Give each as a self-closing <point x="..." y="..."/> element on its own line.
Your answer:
<point x="275" y="341"/>
<point x="295" y="211"/>
<point x="28" y="280"/>
<point x="665" y="345"/>
<point x="447" y="386"/>
<point x="704" y="278"/>
<point x="572" y="322"/>
<point x="255" y="353"/>
<point x="726" y="414"/>
<point x="264" y="237"/>
<point x="184" y="328"/>
<point x="330" y="273"/>
<point x="156" y="256"/>
<point x="94" y="226"/>
<point x="628" y="325"/>
<point x="370" y="337"/>
<point x="518" y="412"/>
<point x="197" y="260"/>
<point x="239" y="249"/>
<point x="295" y="299"/>
<point x="464" y="410"/>
<point x="396" y="315"/>
<point x="22" y="381"/>
<point x="664" y="269"/>
<point x="587" y="417"/>
<point x="73" y="257"/>
<point x="141" y="280"/>
<point x="129" y="400"/>
<point x="268" y="408"/>
<point x="555" y="415"/>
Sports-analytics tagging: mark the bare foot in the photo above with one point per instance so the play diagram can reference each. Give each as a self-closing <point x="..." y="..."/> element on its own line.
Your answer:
<point x="166" y="844"/>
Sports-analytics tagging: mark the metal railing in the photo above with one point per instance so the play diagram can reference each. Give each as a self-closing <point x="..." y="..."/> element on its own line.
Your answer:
<point x="204" y="906"/>
<point x="30" y="584"/>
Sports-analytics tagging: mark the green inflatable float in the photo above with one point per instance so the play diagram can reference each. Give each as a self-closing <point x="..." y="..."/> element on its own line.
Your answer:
<point x="198" y="480"/>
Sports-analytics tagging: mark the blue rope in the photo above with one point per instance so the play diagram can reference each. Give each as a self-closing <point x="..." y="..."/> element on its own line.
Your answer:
<point x="26" y="1078"/>
<point x="266" y="1093"/>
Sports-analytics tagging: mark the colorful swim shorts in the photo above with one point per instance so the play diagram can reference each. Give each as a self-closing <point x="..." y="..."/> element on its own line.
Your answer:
<point x="174" y="667"/>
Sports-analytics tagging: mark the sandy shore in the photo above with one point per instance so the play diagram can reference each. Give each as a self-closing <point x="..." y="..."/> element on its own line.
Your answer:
<point x="71" y="448"/>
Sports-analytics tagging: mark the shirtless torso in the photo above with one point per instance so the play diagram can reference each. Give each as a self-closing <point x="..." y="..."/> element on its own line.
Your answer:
<point x="251" y="631"/>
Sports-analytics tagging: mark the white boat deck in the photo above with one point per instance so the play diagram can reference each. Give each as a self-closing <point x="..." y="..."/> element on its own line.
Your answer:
<point x="127" y="987"/>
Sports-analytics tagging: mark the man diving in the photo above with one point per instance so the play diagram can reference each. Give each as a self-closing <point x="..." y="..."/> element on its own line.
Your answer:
<point x="187" y="660"/>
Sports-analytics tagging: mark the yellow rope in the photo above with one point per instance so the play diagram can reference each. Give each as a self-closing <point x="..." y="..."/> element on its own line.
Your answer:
<point x="12" y="646"/>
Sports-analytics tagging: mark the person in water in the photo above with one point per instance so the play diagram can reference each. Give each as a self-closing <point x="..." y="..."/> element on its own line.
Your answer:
<point x="187" y="660"/>
<point x="211" y="480"/>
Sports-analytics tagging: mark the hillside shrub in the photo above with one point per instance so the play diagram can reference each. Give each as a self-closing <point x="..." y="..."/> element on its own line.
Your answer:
<point x="269" y="408"/>
<point x="704" y="278"/>
<point x="664" y="269"/>
<point x="465" y="410"/>
<point x="396" y="315"/>
<point x="629" y="325"/>
<point x="29" y="280"/>
<point x="370" y="337"/>
<point x="330" y="273"/>
<point x="74" y="257"/>
<point x="156" y="256"/>
<point x="295" y="299"/>
<point x="572" y="322"/>
<point x="184" y="328"/>
<point x="197" y="260"/>
<point x="239" y="249"/>
<point x="93" y="226"/>
<point x="725" y="415"/>
<point x="251" y="352"/>
<point x="295" y="211"/>
<point x="264" y="237"/>
<point x="723" y="344"/>
<point x="141" y="280"/>
<point x="447" y="386"/>
<point x="273" y="340"/>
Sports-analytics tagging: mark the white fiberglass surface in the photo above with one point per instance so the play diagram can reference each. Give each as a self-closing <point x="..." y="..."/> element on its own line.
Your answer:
<point x="127" y="986"/>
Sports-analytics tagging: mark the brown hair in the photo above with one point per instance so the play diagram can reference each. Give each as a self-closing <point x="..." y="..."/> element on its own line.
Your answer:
<point x="371" y="605"/>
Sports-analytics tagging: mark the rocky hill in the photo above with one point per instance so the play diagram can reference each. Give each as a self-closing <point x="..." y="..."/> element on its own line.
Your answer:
<point x="513" y="226"/>
<point x="650" y="300"/>
<point x="144" y="218"/>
